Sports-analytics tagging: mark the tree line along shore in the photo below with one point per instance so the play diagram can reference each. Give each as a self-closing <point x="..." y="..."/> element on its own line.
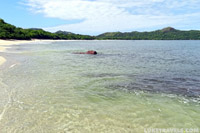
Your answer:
<point x="8" y="31"/>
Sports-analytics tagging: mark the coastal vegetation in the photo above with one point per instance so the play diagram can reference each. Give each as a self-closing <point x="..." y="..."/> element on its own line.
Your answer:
<point x="8" y="31"/>
<point x="168" y="33"/>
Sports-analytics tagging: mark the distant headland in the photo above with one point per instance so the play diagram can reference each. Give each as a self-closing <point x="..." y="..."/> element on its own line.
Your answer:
<point x="8" y="31"/>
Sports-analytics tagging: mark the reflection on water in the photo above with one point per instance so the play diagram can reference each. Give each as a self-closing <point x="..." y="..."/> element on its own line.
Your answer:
<point x="129" y="86"/>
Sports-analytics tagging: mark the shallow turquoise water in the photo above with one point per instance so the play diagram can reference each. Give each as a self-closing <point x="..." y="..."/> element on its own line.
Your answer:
<point x="128" y="87"/>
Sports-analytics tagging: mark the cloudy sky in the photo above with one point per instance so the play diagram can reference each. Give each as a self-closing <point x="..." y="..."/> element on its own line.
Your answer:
<point x="97" y="16"/>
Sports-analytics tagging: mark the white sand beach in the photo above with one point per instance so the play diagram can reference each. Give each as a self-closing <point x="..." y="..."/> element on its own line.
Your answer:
<point x="2" y="60"/>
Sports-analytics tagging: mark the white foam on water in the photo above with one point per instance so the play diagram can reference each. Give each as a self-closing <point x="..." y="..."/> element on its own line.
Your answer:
<point x="12" y="65"/>
<point x="7" y="105"/>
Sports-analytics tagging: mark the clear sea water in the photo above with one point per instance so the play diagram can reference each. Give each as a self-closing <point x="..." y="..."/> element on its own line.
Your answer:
<point x="129" y="86"/>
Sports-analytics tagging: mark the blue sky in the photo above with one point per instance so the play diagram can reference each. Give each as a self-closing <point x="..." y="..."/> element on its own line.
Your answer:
<point x="18" y="14"/>
<point x="98" y="16"/>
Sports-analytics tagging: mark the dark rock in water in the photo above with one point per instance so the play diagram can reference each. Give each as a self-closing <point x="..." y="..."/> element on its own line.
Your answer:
<point x="91" y="52"/>
<point x="88" y="52"/>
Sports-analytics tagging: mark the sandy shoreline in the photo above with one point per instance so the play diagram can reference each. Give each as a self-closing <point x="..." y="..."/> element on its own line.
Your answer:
<point x="4" y="44"/>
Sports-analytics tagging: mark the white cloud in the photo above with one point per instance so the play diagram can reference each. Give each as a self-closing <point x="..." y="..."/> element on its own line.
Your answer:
<point x="116" y="15"/>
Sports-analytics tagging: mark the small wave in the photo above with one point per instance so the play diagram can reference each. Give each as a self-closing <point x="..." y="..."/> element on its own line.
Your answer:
<point x="12" y="65"/>
<point x="99" y="75"/>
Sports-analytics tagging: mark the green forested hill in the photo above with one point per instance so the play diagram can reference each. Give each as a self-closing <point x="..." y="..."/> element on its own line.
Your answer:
<point x="8" y="31"/>
<point x="168" y="33"/>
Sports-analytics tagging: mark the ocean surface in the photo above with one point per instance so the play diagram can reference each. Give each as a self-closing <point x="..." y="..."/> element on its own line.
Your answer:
<point x="129" y="86"/>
